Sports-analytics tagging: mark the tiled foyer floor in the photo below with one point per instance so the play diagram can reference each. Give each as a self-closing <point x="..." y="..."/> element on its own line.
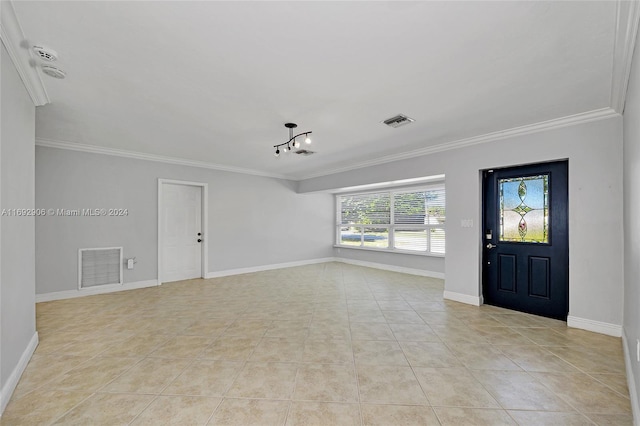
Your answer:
<point x="318" y="345"/>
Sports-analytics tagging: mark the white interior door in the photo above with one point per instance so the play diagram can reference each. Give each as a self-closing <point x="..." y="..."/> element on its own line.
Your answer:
<point x="181" y="232"/>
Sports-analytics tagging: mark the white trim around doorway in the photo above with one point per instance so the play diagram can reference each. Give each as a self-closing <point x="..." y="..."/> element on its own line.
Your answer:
<point x="205" y="223"/>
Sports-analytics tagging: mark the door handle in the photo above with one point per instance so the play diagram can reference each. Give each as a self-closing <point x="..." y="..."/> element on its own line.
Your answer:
<point x="199" y="240"/>
<point x="490" y="246"/>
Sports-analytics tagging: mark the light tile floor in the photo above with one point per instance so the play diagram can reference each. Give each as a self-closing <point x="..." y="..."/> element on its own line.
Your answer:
<point x="315" y="345"/>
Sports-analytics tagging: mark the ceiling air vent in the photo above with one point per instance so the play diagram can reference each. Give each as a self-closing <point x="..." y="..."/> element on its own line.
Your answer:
<point x="398" y="120"/>
<point x="304" y="152"/>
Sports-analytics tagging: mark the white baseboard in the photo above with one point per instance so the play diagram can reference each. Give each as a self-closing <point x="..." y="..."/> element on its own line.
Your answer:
<point x="12" y="382"/>
<point x="595" y="326"/>
<point x="70" y="294"/>
<point x="393" y="268"/>
<point x="463" y="298"/>
<point x="633" y="391"/>
<point x="249" y="270"/>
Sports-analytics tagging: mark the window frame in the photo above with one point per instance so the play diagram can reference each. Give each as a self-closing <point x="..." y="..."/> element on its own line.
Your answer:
<point x="392" y="226"/>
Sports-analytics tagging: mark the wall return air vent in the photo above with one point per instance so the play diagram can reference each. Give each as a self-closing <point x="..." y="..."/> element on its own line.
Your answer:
<point x="99" y="266"/>
<point x="398" y="120"/>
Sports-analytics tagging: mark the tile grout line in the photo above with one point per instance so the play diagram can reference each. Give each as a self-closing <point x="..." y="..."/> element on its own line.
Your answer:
<point x="547" y="387"/>
<point x="355" y="370"/>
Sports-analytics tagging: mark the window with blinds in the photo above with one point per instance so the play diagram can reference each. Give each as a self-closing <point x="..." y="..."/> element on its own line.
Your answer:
<point x="401" y="220"/>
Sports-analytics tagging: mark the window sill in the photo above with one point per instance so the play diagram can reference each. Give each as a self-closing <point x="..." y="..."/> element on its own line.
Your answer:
<point x="412" y="253"/>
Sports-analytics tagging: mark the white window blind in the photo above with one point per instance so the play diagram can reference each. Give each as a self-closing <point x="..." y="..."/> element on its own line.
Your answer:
<point x="400" y="220"/>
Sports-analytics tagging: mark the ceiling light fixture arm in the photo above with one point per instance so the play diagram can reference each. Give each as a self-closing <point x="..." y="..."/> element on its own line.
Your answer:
<point x="291" y="139"/>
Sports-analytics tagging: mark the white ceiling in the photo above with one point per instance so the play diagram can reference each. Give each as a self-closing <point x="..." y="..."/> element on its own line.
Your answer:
<point x="215" y="81"/>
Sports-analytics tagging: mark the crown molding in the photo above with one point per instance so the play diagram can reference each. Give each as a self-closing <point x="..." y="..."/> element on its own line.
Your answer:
<point x="586" y="117"/>
<point x="71" y="146"/>
<point x="571" y="120"/>
<point x="13" y="39"/>
<point x="627" y="18"/>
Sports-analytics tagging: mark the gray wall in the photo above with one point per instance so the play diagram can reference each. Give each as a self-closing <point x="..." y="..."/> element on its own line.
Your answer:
<point x="253" y="220"/>
<point x="631" y="223"/>
<point x="594" y="151"/>
<point x="17" y="248"/>
<point x="425" y="263"/>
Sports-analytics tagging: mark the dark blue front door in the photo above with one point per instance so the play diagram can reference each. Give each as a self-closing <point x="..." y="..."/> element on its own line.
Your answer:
<point x="526" y="239"/>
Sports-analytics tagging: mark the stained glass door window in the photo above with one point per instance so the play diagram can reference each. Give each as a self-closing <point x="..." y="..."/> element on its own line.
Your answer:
<point x="524" y="209"/>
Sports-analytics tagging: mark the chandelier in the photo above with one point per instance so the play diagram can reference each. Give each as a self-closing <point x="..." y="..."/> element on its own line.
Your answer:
<point x="293" y="141"/>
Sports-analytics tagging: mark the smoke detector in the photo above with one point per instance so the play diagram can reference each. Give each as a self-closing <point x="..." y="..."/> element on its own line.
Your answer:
<point x="398" y="120"/>
<point x="45" y="53"/>
<point x="53" y="72"/>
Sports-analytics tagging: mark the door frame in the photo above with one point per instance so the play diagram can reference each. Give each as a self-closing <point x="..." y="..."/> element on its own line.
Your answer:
<point x="204" y="220"/>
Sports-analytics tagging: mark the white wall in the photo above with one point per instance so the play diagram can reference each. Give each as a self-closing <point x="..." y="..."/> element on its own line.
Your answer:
<point x="594" y="151"/>
<point x="17" y="249"/>
<point x="253" y="221"/>
<point x="631" y="223"/>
